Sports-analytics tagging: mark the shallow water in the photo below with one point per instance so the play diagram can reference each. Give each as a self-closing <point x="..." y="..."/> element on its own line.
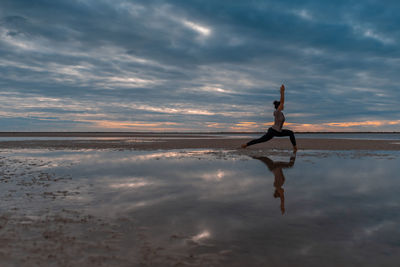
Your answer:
<point x="205" y="207"/>
<point x="150" y="138"/>
<point x="351" y="136"/>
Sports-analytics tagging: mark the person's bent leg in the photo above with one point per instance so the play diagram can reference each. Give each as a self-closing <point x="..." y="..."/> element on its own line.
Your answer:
<point x="291" y="135"/>
<point x="266" y="137"/>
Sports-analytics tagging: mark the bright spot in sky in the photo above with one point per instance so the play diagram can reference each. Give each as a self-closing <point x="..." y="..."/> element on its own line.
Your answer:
<point x="197" y="28"/>
<point x="130" y="185"/>
<point x="304" y="14"/>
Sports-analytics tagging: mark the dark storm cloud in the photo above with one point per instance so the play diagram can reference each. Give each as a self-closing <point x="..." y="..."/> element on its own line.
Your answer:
<point x="197" y="63"/>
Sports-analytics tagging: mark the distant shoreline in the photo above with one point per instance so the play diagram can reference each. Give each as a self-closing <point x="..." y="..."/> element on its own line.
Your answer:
<point x="169" y="142"/>
<point x="154" y="134"/>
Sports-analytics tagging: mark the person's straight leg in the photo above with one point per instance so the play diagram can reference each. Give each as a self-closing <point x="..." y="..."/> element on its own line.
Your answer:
<point x="266" y="137"/>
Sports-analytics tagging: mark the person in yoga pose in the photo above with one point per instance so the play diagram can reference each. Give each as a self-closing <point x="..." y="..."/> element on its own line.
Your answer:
<point x="276" y="129"/>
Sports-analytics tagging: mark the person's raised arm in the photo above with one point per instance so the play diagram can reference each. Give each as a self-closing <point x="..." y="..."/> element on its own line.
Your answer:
<point x="280" y="108"/>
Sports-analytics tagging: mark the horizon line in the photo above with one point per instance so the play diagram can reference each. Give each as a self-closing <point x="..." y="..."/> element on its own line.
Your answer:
<point x="184" y="132"/>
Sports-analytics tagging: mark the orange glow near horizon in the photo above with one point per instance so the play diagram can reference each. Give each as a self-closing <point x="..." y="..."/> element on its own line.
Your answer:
<point x="351" y="124"/>
<point x="338" y="126"/>
<point x="242" y="126"/>
<point x="136" y="126"/>
<point x="322" y="127"/>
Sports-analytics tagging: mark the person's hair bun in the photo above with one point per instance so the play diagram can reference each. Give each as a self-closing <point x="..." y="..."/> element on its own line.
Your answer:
<point x="276" y="104"/>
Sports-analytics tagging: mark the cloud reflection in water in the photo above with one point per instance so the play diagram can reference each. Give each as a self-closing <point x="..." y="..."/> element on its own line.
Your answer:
<point x="340" y="206"/>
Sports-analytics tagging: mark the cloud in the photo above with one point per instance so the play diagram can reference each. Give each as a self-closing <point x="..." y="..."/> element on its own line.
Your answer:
<point x="200" y="63"/>
<point x="197" y="27"/>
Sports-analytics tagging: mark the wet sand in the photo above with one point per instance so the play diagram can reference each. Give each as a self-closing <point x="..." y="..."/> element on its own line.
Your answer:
<point x="196" y="142"/>
<point x="36" y="229"/>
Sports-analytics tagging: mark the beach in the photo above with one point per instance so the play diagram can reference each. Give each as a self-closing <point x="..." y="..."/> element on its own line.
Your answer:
<point x="154" y="141"/>
<point x="197" y="200"/>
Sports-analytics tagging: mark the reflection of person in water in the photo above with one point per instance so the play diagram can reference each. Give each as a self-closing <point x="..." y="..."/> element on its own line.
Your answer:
<point x="276" y="168"/>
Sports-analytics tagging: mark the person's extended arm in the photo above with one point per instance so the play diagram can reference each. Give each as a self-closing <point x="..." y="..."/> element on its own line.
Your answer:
<point x="280" y="108"/>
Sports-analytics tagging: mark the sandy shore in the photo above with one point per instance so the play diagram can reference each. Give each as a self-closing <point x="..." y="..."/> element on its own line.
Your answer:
<point x="39" y="228"/>
<point x="195" y="142"/>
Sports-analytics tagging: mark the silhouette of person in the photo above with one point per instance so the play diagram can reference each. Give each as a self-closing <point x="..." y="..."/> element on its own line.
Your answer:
<point x="276" y="168"/>
<point x="276" y="129"/>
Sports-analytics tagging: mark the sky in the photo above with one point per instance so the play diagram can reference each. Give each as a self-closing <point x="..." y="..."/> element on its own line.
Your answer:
<point x="198" y="65"/>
